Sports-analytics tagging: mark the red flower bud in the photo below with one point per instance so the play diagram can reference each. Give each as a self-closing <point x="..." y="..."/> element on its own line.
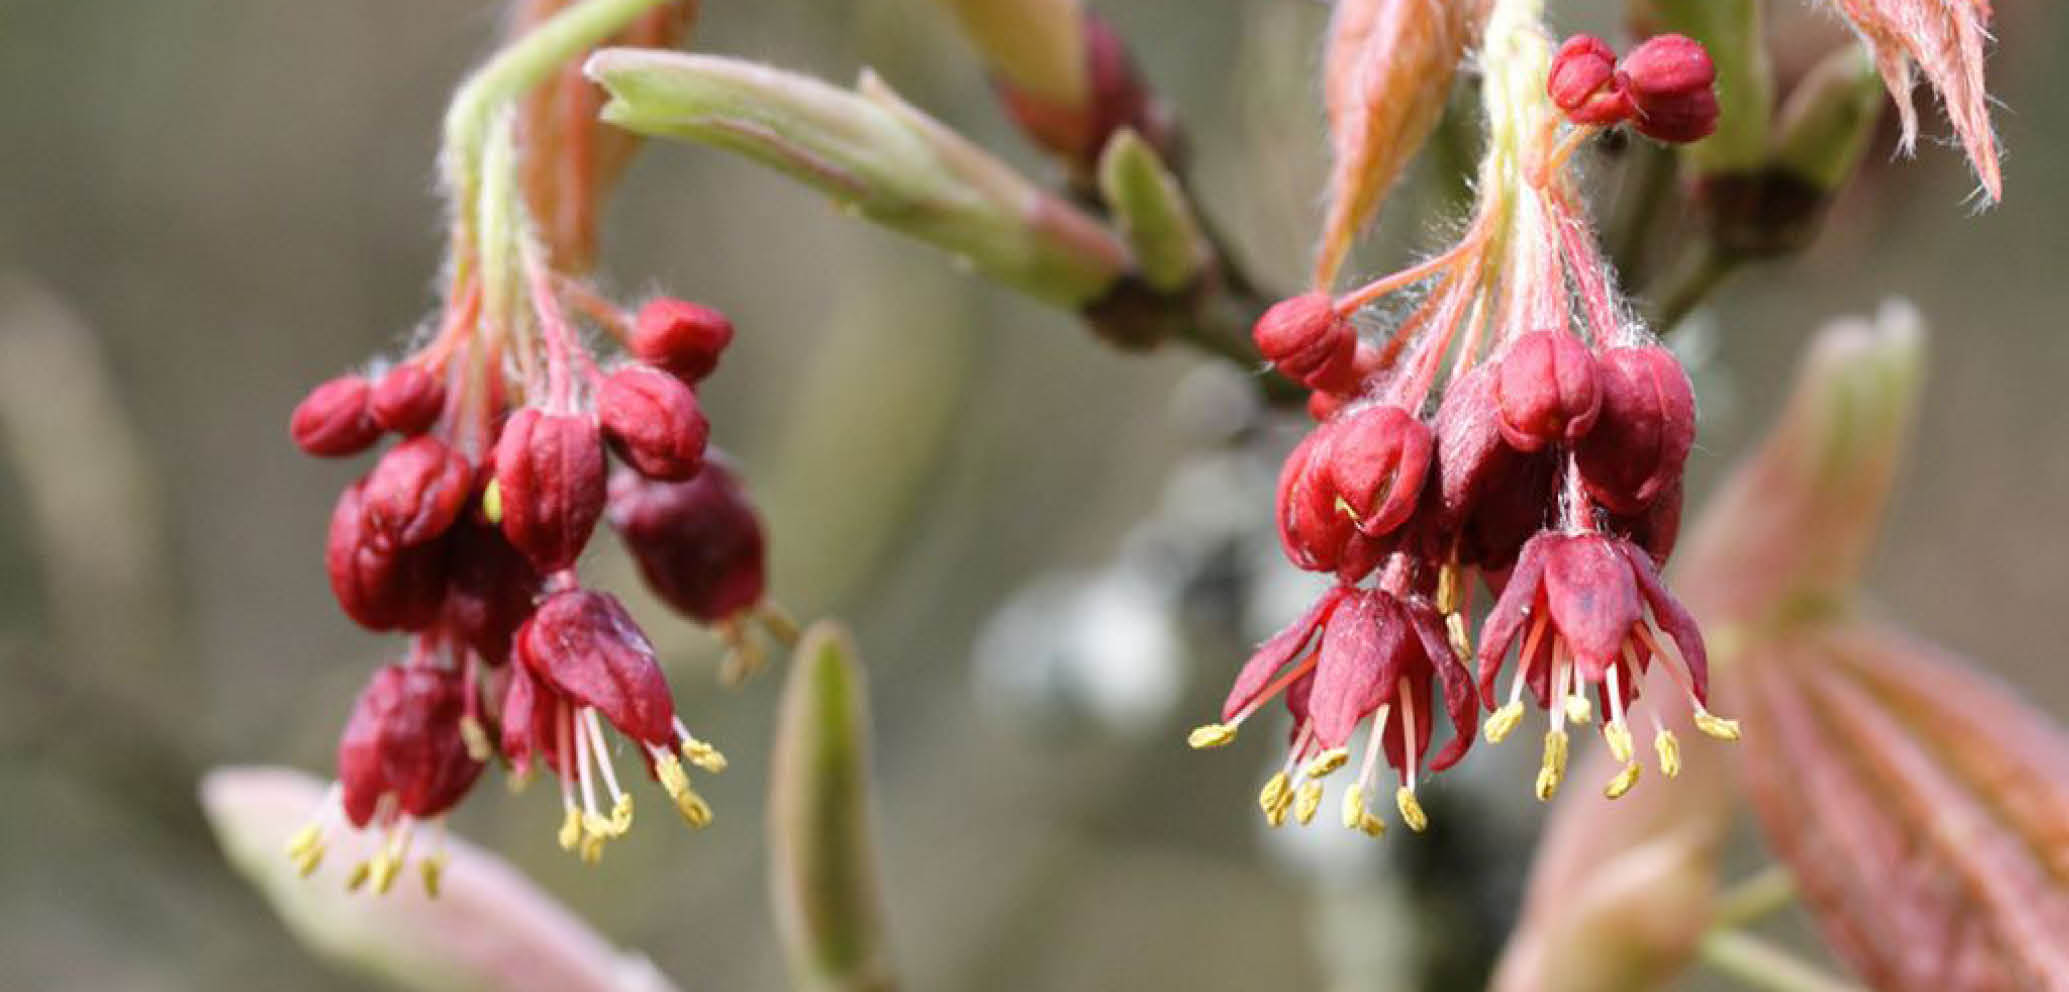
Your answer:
<point x="1545" y="390"/>
<point x="1583" y="82"/>
<point x="652" y="421"/>
<point x="550" y="482"/>
<point x="379" y="586"/>
<point x="698" y="543"/>
<point x="489" y="589"/>
<point x="680" y="337"/>
<point x="1309" y="342"/>
<point x="1488" y="494"/>
<point x="403" y="739"/>
<point x="332" y="421"/>
<point x="1377" y="459"/>
<point x="1671" y="81"/>
<point x="407" y="400"/>
<point x="583" y="645"/>
<point x="1642" y="438"/>
<point x="415" y="493"/>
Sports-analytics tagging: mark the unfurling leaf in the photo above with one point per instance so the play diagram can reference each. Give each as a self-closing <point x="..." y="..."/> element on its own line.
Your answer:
<point x="488" y="928"/>
<point x="876" y="155"/>
<point x="1385" y="74"/>
<point x="1945" y="38"/>
<point x="823" y="873"/>
<point x="1923" y="810"/>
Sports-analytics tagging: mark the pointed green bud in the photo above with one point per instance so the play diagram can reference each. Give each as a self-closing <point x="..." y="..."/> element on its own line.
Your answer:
<point x="822" y="856"/>
<point x="1827" y="120"/>
<point x="1153" y="213"/>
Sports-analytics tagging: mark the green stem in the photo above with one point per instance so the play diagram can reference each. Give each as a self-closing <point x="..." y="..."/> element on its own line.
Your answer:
<point x="1762" y="965"/>
<point x="1651" y="177"/>
<point x="518" y="67"/>
<point x="1701" y="272"/>
<point x="1752" y="898"/>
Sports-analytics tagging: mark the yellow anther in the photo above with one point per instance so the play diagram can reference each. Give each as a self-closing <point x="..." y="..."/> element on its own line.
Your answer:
<point x="694" y="810"/>
<point x="1353" y="806"/>
<point x="476" y="738"/>
<point x="1617" y="734"/>
<point x="1372" y="826"/>
<point x="1448" y="590"/>
<point x="1276" y="795"/>
<point x="1578" y="709"/>
<point x="592" y="849"/>
<point x="1502" y="721"/>
<point x="492" y="503"/>
<point x="308" y="859"/>
<point x="517" y="780"/>
<point x="1669" y="748"/>
<point x="1307" y="801"/>
<point x="1623" y="781"/>
<point x="621" y="816"/>
<point x="433" y="869"/>
<point x="1328" y="761"/>
<point x="1210" y="735"/>
<point x="570" y="829"/>
<point x="596" y="825"/>
<point x="1716" y="726"/>
<point x="1461" y="641"/>
<point x="703" y="755"/>
<point x="1344" y="507"/>
<point x="1411" y="809"/>
<point x="304" y="839"/>
<point x="1553" y="771"/>
<point x="385" y="870"/>
<point x="360" y="873"/>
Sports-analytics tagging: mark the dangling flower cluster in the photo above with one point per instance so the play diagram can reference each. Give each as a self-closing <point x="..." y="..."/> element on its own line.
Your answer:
<point x="465" y="534"/>
<point x="1515" y="427"/>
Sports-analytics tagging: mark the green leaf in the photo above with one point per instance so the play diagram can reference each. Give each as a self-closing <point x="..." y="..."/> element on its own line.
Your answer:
<point x="877" y="155"/>
<point x="822" y="858"/>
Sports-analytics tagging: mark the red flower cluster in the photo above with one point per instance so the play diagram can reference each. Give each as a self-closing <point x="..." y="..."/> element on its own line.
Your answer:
<point x="1664" y="88"/>
<point x="465" y="535"/>
<point x="1549" y="465"/>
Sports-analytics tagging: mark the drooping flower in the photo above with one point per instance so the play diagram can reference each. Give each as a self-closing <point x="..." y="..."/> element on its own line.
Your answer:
<point x="1590" y="605"/>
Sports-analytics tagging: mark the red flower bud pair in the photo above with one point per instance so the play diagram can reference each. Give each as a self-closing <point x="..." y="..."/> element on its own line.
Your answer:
<point x="403" y="741"/>
<point x="1665" y="87"/>
<point x="346" y="415"/>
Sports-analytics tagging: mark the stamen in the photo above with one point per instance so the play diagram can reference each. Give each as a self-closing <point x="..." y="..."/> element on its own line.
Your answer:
<point x="692" y="807"/>
<point x="1210" y="735"/>
<point x="1553" y="770"/>
<point x="1275" y="797"/>
<point x="1368" y="769"/>
<point x="1461" y="639"/>
<point x="1568" y="685"/>
<point x="390" y="862"/>
<point x="1272" y="690"/>
<point x="1623" y="781"/>
<point x="1669" y="749"/>
<point x="1328" y="761"/>
<point x="1504" y="720"/>
<point x="593" y="823"/>
<point x="1617" y="733"/>
<point x="1715" y="726"/>
<point x="697" y="752"/>
<point x="433" y="865"/>
<point x="621" y="804"/>
<point x="1411" y="809"/>
<point x="476" y="738"/>
<point x="360" y="873"/>
<point x="1308" y="800"/>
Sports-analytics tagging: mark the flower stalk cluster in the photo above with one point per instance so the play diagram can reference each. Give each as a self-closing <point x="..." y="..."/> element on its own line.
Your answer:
<point x="465" y="535"/>
<point x="1514" y="429"/>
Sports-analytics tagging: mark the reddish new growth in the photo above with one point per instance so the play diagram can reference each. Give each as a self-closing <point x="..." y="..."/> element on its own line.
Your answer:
<point x="1514" y="430"/>
<point x="465" y="536"/>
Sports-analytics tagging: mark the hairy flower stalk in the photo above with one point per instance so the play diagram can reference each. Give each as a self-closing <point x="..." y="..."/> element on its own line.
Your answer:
<point x="1514" y="426"/>
<point x="465" y="536"/>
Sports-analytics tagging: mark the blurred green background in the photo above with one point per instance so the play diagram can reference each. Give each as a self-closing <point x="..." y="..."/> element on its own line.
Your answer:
<point x="208" y="206"/>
